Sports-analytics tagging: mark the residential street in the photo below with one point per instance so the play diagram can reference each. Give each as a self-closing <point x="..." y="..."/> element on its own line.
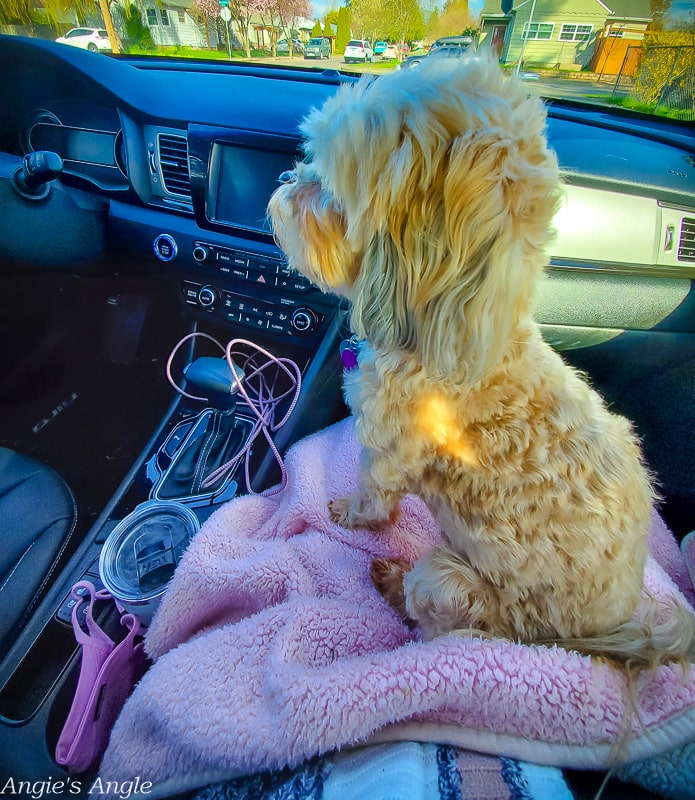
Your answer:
<point x="572" y="88"/>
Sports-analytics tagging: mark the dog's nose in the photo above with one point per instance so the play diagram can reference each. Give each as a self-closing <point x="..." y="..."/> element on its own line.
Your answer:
<point x="288" y="176"/>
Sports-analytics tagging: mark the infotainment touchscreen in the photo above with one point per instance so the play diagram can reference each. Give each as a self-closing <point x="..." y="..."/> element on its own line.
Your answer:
<point x="242" y="179"/>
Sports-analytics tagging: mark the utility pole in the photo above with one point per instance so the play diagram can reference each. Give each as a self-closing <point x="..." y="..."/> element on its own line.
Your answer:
<point x="524" y="38"/>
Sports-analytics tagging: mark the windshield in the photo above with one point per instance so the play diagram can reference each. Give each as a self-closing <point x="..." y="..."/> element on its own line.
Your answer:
<point x="636" y="54"/>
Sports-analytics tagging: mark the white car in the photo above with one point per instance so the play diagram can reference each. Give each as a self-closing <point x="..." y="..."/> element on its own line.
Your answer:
<point x="391" y="52"/>
<point x="94" y="39"/>
<point x="358" y="50"/>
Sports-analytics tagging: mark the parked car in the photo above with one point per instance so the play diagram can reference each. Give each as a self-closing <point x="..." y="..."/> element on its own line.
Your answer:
<point x="444" y="51"/>
<point x="148" y="223"/>
<point x="390" y="52"/>
<point x="94" y="39"/>
<point x="283" y="46"/>
<point x="358" y="50"/>
<point x="464" y="42"/>
<point x="318" y="47"/>
<point x="379" y="47"/>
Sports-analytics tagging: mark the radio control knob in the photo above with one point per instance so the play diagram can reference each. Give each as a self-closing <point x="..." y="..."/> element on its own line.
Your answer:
<point x="201" y="253"/>
<point x="304" y="320"/>
<point x="207" y="296"/>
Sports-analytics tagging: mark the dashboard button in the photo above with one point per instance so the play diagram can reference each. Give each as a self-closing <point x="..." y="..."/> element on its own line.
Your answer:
<point x="165" y="247"/>
<point x="190" y="292"/>
<point x="201" y="253"/>
<point x="303" y="320"/>
<point x="207" y="296"/>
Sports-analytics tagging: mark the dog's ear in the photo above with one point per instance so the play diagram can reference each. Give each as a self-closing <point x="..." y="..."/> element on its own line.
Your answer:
<point x="471" y="191"/>
<point x="311" y="231"/>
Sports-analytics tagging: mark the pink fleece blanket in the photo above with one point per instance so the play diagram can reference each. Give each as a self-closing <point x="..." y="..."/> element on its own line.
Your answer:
<point x="272" y="646"/>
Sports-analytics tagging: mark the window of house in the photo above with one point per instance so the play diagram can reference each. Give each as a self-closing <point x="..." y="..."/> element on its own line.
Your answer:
<point x="538" y="30"/>
<point x="151" y="16"/>
<point x="182" y="17"/>
<point x="575" y="33"/>
<point x="165" y="16"/>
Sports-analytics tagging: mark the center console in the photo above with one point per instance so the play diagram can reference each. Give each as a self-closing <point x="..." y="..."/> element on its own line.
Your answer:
<point x="39" y="675"/>
<point x="206" y="241"/>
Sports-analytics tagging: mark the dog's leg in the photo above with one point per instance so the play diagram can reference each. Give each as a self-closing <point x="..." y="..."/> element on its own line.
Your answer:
<point x="387" y="576"/>
<point x="445" y="594"/>
<point x="375" y="505"/>
<point x="360" y="512"/>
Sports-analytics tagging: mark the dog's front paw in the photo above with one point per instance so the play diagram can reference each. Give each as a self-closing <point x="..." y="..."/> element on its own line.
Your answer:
<point x="387" y="576"/>
<point x="353" y="513"/>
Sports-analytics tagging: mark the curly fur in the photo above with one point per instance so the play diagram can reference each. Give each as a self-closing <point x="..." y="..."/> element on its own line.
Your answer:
<point x="427" y="200"/>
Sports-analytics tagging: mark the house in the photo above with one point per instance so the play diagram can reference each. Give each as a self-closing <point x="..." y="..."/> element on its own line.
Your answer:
<point x="171" y="24"/>
<point x="563" y="34"/>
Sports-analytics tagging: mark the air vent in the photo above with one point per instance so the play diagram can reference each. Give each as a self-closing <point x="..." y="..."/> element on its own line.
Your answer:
<point x="686" y="245"/>
<point x="173" y="162"/>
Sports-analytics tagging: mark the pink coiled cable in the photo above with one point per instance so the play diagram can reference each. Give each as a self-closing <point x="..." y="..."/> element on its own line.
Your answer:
<point x="259" y="391"/>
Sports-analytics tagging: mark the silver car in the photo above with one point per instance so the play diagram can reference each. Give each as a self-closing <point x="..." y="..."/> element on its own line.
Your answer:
<point x="318" y="47"/>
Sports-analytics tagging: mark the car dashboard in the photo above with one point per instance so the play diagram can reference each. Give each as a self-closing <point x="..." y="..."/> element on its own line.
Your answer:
<point x="167" y="170"/>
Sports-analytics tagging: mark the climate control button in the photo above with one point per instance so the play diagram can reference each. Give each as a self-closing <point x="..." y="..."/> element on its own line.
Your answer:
<point x="303" y="319"/>
<point x="207" y="296"/>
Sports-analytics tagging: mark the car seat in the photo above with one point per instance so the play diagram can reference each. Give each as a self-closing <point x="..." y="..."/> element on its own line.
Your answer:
<point x="37" y="518"/>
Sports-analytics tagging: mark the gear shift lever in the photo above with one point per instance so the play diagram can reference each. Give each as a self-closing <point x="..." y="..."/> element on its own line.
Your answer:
<point x="213" y="378"/>
<point x="206" y="441"/>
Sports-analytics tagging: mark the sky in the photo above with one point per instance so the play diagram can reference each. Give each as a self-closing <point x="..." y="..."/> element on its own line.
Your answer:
<point x="681" y="8"/>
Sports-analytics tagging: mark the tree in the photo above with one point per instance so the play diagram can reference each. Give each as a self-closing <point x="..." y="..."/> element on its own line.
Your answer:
<point x="342" y="36"/>
<point x="368" y="18"/>
<point x="16" y="12"/>
<point x="404" y="20"/>
<point x="398" y="20"/>
<point x="206" y="11"/>
<point x="454" y="20"/>
<point x="135" y="29"/>
<point x="242" y="11"/>
<point x="667" y="67"/>
<point x="288" y="13"/>
<point x="317" y="30"/>
<point x="659" y="9"/>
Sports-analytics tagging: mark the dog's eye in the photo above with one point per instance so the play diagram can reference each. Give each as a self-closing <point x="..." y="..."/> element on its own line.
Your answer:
<point x="288" y="176"/>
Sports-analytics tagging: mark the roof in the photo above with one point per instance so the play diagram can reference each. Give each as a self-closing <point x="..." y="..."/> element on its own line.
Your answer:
<point x="629" y="9"/>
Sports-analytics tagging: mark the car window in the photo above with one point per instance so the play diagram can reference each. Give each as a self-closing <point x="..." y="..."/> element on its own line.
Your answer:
<point x="640" y="58"/>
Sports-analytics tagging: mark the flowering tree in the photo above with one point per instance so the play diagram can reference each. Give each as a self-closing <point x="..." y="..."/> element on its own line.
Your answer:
<point x="288" y="13"/>
<point x="204" y="11"/>
<point x="242" y="12"/>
